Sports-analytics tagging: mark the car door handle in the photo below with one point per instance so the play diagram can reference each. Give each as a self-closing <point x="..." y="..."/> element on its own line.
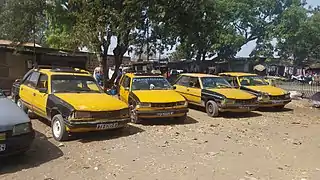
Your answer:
<point x="188" y="90"/>
<point x="34" y="94"/>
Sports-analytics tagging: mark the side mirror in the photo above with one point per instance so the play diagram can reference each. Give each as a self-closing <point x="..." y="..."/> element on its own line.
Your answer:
<point x="174" y="87"/>
<point x="43" y="90"/>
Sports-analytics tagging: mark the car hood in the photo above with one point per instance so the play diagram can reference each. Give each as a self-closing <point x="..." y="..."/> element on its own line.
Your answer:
<point x="233" y="93"/>
<point x="271" y="90"/>
<point x="158" y="96"/>
<point x="10" y="115"/>
<point x="92" y="101"/>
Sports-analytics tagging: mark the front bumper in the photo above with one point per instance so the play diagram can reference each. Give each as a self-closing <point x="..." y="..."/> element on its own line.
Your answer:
<point x="16" y="144"/>
<point x="162" y="113"/>
<point x="273" y="103"/>
<point x="238" y="108"/>
<point x="95" y="125"/>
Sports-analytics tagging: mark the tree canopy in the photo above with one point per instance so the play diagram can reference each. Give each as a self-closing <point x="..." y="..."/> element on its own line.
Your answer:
<point x="200" y="29"/>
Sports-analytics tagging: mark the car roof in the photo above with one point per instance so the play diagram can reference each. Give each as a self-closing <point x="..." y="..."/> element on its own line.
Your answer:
<point x="132" y="75"/>
<point x="198" y="75"/>
<point x="237" y="74"/>
<point x="61" y="71"/>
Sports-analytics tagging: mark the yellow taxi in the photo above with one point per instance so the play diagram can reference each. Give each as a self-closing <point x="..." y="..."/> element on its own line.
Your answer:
<point x="151" y="96"/>
<point x="268" y="95"/>
<point x="71" y="99"/>
<point x="214" y="93"/>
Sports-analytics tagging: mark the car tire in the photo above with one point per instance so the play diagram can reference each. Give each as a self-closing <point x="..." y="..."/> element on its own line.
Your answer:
<point x="181" y="119"/>
<point x="58" y="128"/>
<point x="22" y="106"/>
<point x="212" y="108"/>
<point x="133" y="115"/>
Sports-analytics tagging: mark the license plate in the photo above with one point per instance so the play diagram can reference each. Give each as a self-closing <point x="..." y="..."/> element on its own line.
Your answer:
<point x="165" y="114"/>
<point x="2" y="136"/>
<point x="107" y="126"/>
<point x="243" y="107"/>
<point x="277" y="102"/>
<point x="2" y="147"/>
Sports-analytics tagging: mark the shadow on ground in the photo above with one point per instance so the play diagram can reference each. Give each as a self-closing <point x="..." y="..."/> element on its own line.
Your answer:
<point x="270" y="109"/>
<point x="228" y="114"/>
<point x="106" y="135"/>
<point x="87" y="137"/>
<point x="41" y="151"/>
<point x="167" y="121"/>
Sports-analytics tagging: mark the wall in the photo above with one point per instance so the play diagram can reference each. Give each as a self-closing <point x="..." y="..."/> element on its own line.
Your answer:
<point x="12" y="67"/>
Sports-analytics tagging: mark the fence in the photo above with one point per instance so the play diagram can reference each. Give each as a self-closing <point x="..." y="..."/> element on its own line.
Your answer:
<point x="307" y="89"/>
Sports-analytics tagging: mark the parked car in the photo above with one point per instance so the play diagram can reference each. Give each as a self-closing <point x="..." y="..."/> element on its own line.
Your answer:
<point x="268" y="95"/>
<point x="71" y="99"/>
<point x="16" y="132"/>
<point x="214" y="93"/>
<point x="151" y="96"/>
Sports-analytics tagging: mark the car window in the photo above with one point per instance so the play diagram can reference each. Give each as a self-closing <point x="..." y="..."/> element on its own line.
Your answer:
<point x="43" y="81"/>
<point x="32" y="80"/>
<point x="126" y="82"/>
<point x="232" y="81"/>
<point x="78" y="84"/>
<point x="150" y="83"/>
<point x="183" y="81"/>
<point x="194" y="82"/>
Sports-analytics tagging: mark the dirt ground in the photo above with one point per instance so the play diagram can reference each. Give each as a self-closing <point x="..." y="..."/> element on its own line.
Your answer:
<point x="259" y="145"/>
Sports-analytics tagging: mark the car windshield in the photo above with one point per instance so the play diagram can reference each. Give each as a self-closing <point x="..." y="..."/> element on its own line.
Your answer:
<point x="72" y="83"/>
<point x="252" y="81"/>
<point x="150" y="83"/>
<point x="214" y="82"/>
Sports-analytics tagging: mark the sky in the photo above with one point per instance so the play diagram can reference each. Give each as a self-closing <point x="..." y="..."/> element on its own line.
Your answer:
<point x="245" y="50"/>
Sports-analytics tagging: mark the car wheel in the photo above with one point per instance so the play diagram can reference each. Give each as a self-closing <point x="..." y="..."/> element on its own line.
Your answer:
<point x="58" y="128"/>
<point x="22" y="106"/>
<point x="133" y="115"/>
<point x="181" y="119"/>
<point x="212" y="108"/>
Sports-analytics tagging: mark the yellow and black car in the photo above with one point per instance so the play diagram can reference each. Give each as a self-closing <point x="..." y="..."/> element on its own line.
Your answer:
<point x="268" y="95"/>
<point x="214" y="93"/>
<point x="151" y="96"/>
<point x="71" y="99"/>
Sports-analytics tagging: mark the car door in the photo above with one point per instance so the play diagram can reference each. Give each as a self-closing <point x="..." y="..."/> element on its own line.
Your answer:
<point x="194" y="90"/>
<point x="124" y="89"/>
<point x="40" y="96"/>
<point x="181" y="85"/>
<point x="27" y="89"/>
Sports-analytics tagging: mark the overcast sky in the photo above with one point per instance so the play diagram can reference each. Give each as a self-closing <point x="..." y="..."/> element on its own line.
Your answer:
<point x="247" y="49"/>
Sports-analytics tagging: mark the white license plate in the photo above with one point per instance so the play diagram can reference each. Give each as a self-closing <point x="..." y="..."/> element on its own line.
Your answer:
<point x="165" y="114"/>
<point x="2" y="147"/>
<point x="107" y="126"/>
<point x="277" y="102"/>
<point x="243" y="107"/>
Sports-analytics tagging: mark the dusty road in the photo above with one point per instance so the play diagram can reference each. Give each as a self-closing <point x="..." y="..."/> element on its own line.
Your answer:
<point x="260" y="145"/>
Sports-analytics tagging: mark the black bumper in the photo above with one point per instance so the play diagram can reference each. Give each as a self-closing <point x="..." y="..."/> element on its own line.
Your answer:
<point x="162" y="113"/>
<point x="17" y="144"/>
<point x="93" y="124"/>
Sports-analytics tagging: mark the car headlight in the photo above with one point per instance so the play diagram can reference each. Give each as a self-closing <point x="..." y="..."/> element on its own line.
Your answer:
<point x="82" y="114"/>
<point x="20" y="129"/>
<point x="263" y="97"/>
<point x="182" y="103"/>
<point x="144" y="104"/>
<point x="124" y="112"/>
<point x="229" y="101"/>
<point x="287" y="96"/>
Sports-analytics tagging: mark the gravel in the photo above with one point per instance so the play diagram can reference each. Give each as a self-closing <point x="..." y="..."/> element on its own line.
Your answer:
<point x="264" y="144"/>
